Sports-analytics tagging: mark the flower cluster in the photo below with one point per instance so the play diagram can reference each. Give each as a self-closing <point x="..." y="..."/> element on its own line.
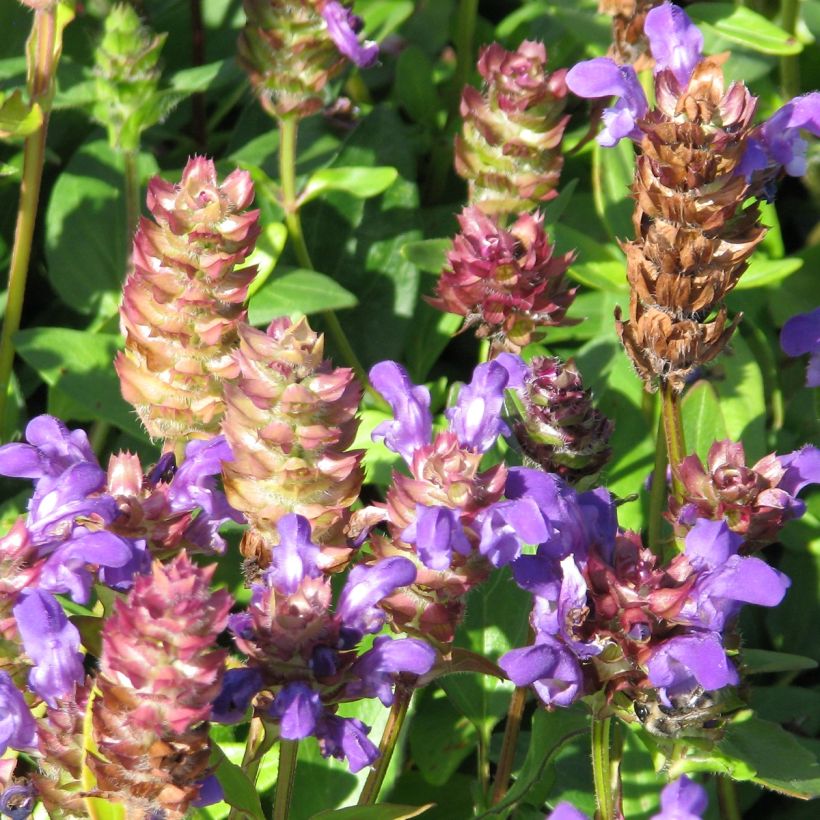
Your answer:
<point x="183" y="300"/>
<point x="610" y="616"/>
<point x="290" y="419"/>
<point x="291" y="50"/>
<point x="309" y="656"/>
<point x="700" y="162"/>
<point x="507" y="283"/>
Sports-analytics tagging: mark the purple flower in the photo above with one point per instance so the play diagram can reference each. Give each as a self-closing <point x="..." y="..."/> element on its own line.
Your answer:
<point x="436" y="532"/>
<point x="210" y="792"/>
<point x="476" y="417"/>
<point x="52" y="643"/>
<point x="343" y="27"/>
<point x="17" y="726"/>
<point x="346" y="738"/>
<point x="366" y="586"/>
<point x="801" y="334"/>
<point x="507" y="525"/>
<point x="297" y="708"/>
<point x="239" y="686"/>
<point x="802" y="468"/>
<point x="549" y="666"/>
<point x="675" y="41"/>
<point x="682" y="799"/>
<point x="52" y="448"/>
<point x="602" y="77"/>
<point x="295" y="558"/>
<point x="777" y="142"/>
<point x="726" y="580"/>
<point x="566" y="811"/>
<point x="412" y="425"/>
<point x="378" y="667"/>
<point x="685" y="662"/>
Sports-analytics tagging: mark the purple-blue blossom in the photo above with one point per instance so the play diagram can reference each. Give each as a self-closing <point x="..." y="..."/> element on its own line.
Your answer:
<point x="674" y="40"/>
<point x="297" y="708"/>
<point x="801" y="335"/>
<point x="346" y="738"/>
<point x="344" y="27"/>
<point x="17" y="726"/>
<point x="547" y="665"/>
<point x="375" y="671"/>
<point x="296" y="557"/>
<point x="436" y="532"/>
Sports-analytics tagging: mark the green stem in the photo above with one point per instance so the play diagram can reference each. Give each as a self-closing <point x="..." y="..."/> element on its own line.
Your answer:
<point x="288" y="131"/>
<point x="505" y="762"/>
<point x="657" y="494"/>
<point x="392" y="729"/>
<point x="602" y="769"/>
<point x="288" y="752"/>
<point x="260" y="739"/>
<point x="40" y="78"/>
<point x="465" y="32"/>
<point x="790" y="65"/>
<point x="673" y="430"/>
<point x="132" y="198"/>
<point x="727" y="799"/>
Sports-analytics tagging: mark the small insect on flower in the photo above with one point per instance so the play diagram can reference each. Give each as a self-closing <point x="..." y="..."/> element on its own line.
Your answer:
<point x="695" y="714"/>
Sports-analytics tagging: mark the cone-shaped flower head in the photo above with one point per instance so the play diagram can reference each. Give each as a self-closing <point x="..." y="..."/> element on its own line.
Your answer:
<point x="126" y="101"/>
<point x="306" y="654"/>
<point x="609" y="615"/>
<point x="182" y="303"/>
<point x="447" y="516"/>
<point x="506" y="283"/>
<point x="291" y="50"/>
<point x="290" y="419"/>
<point x="629" y="42"/>
<point x="510" y="146"/>
<point x="755" y="502"/>
<point x="694" y="231"/>
<point x="560" y="429"/>
<point x="159" y="672"/>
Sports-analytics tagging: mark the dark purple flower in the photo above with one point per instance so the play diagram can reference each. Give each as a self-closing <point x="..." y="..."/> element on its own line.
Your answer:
<point x="52" y="448"/>
<point x="412" y="424"/>
<point x="17" y="801"/>
<point x="436" y="532"/>
<point x="378" y="667"/>
<point x="17" y="726"/>
<point x="802" y="468"/>
<point x="343" y="27"/>
<point x="210" y="792"/>
<point x="516" y="367"/>
<point x="122" y="577"/>
<point x="295" y="557"/>
<point x="602" y="77"/>
<point x="239" y="686"/>
<point x="800" y="335"/>
<point x="685" y="662"/>
<point x="346" y="738"/>
<point x="476" y="417"/>
<point x="366" y="586"/>
<point x="549" y="666"/>
<point x="682" y="799"/>
<point x="726" y="580"/>
<point x="675" y="41"/>
<point x="52" y="643"/>
<point x="297" y="708"/>
<point x="507" y="526"/>
<point x="777" y="142"/>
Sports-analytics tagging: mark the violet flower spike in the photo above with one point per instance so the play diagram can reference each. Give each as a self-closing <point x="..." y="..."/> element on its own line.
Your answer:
<point x="346" y="738"/>
<point x="344" y="26"/>
<point x="412" y="425"/>
<point x="801" y="335"/>
<point x="476" y="417"/>
<point x="436" y="532"/>
<point x="239" y="687"/>
<point x="296" y="556"/>
<point x="551" y="669"/>
<point x="17" y="727"/>
<point x="603" y="77"/>
<point x="674" y="40"/>
<point x="52" y="643"/>
<point x="297" y="708"/>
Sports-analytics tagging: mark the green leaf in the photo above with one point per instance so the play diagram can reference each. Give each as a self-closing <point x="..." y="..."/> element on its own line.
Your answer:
<point x="433" y="331"/>
<point x="762" y="661"/>
<point x="18" y="119"/>
<point x="361" y="182"/>
<point x="778" y="759"/>
<point x="269" y="247"/>
<point x="79" y="363"/>
<point x="612" y="172"/>
<point x="207" y="77"/>
<point x="384" y="811"/>
<point x="85" y="226"/>
<point x="415" y="86"/>
<point x="745" y="27"/>
<point x="703" y="421"/>
<point x="762" y="272"/>
<point x="297" y="291"/>
<point x="383" y="17"/>
<point x="240" y="793"/>
<point x="429" y="255"/>
<point x="609" y="276"/>
<point x="550" y="732"/>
